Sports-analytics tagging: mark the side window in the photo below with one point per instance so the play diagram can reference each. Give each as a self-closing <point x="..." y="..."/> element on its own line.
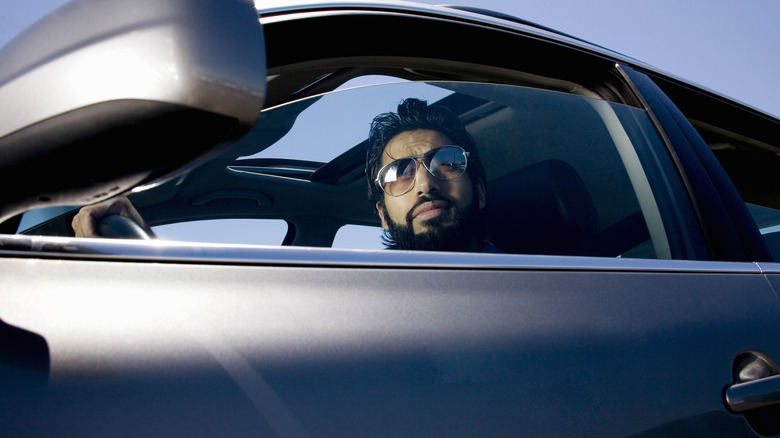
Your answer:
<point x="747" y="144"/>
<point x="566" y="174"/>
<point x="754" y="172"/>
<point x="572" y="175"/>
<point x="358" y="237"/>
<point x="231" y="231"/>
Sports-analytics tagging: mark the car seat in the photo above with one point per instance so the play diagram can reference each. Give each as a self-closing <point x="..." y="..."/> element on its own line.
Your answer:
<point x="544" y="208"/>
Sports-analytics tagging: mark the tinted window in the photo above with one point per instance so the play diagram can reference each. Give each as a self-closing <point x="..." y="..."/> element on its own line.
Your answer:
<point x="754" y="172"/>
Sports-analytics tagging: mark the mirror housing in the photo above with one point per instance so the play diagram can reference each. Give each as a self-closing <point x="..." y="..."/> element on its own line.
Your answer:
<point x="103" y="95"/>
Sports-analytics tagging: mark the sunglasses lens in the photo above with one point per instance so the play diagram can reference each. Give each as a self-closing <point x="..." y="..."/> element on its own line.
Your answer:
<point x="446" y="163"/>
<point x="398" y="177"/>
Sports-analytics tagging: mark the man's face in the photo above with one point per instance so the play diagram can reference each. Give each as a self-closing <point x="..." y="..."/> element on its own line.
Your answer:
<point x="433" y="208"/>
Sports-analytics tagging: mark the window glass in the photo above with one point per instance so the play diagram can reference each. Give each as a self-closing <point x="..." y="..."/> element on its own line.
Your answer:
<point x="358" y="237"/>
<point x="577" y="185"/>
<point x="564" y="172"/>
<point x="566" y="175"/>
<point x="329" y="124"/>
<point x="232" y="231"/>
<point x="39" y="216"/>
<point x="754" y="172"/>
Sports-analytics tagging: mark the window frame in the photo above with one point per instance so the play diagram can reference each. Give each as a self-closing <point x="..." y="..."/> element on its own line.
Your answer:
<point x="728" y="229"/>
<point x="640" y="170"/>
<point x="625" y="84"/>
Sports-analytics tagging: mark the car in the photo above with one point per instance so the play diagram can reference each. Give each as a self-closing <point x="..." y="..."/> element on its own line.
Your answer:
<point x="637" y="217"/>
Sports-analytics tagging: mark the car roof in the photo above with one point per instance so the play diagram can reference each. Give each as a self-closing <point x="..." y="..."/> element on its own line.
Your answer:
<point x="277" y="9"/>
<point x="466" y="14"/>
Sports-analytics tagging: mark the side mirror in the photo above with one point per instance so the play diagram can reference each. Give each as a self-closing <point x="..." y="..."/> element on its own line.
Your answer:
<point x="102" y="95"/>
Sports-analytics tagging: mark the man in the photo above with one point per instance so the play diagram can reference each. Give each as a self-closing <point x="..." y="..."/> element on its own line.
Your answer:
<point x="425" y="179"/>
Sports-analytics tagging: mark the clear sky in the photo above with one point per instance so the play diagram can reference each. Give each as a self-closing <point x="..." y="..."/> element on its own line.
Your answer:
<point x="728" y="46"/>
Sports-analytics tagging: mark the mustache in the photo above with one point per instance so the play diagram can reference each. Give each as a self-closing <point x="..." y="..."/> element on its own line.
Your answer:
<point x="427" y="198"/>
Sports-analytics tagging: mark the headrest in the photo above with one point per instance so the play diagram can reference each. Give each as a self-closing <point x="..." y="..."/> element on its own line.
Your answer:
<point x="544" y="208"/>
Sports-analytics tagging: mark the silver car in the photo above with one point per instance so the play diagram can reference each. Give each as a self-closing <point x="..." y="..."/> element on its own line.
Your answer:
<point x="638" y="218"/>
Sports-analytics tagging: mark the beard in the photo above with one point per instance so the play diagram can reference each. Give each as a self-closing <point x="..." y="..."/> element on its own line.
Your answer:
<point x="440" y="234"/>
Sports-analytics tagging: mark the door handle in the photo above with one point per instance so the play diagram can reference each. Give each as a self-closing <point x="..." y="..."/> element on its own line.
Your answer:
<point x="754" y="394"/>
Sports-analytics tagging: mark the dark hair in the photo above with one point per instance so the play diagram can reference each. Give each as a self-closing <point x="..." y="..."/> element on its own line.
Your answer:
<point x="415" y="114"/>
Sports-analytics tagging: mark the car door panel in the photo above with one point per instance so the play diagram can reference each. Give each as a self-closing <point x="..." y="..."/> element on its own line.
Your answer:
<point x="334" y="351"/>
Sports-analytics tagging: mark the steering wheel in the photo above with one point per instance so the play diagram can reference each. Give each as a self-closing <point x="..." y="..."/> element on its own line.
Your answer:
<point x="121" y="227"/>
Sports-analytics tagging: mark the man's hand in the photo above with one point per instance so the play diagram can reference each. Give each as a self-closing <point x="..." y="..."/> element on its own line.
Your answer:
<point x="85" y="223"/>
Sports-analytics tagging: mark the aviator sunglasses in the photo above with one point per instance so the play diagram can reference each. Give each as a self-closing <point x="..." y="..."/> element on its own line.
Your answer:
<point x="398" y="176"/>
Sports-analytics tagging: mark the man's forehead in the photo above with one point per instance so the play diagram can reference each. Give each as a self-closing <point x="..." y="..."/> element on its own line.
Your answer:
<point x="411" y="143"/>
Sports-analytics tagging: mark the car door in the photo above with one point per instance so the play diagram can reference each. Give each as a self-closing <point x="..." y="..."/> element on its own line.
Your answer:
<point x="319" y="341"/>
<point x="639" y="329"/>
<point x="308" y="342"/>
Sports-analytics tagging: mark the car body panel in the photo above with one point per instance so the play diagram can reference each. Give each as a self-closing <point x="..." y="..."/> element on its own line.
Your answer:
<point x="448" y="350"/>
<point x="157" y="51"/>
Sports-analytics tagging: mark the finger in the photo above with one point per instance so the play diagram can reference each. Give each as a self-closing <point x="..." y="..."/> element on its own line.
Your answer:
<point x="84" y="225"/>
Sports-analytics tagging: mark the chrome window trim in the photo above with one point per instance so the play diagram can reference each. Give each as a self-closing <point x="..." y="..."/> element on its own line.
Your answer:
<point x="769" y="267"/>
<point x="215" y="254"/>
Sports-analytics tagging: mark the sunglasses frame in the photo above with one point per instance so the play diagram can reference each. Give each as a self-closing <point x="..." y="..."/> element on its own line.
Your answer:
<point x="418" y="159"/>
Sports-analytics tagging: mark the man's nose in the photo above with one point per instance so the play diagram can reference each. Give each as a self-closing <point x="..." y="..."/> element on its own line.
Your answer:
<point x="426" y="183"/>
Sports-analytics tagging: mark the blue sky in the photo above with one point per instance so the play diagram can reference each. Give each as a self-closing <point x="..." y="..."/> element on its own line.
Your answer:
<point x="725" y="45"/>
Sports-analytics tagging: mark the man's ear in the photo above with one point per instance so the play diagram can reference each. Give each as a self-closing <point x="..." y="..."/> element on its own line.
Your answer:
<point x="481" y="194"/>
<point x="381" y="212"/>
